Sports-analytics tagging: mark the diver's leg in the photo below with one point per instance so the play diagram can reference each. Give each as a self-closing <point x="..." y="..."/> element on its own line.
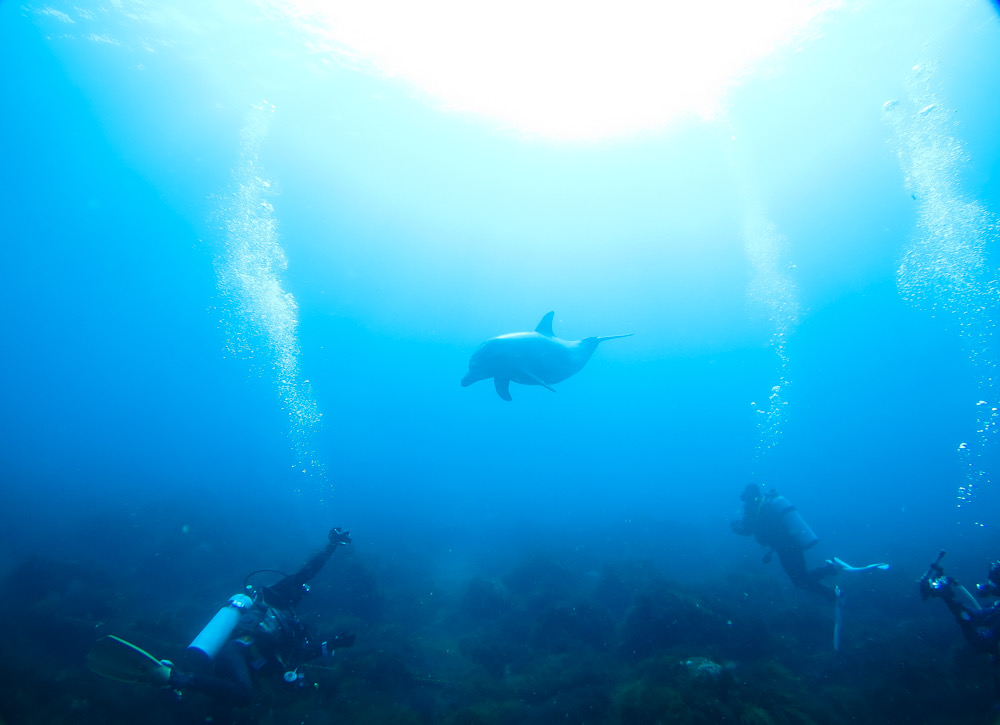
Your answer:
<point x="231" y="684"/>
<point x="793" y="561"/>
<point x="233" y="667"/>
<point x="828" y="569"/>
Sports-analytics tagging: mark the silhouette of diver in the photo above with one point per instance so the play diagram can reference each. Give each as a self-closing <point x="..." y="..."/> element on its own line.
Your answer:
<point x="775" y="523"/>
<point x="257" y="629"/>
<point x="980" y="625"/>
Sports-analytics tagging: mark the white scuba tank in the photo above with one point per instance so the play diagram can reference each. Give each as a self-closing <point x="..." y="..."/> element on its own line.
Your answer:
<point x="793" y="524"/>
<point x="218" y="631"/>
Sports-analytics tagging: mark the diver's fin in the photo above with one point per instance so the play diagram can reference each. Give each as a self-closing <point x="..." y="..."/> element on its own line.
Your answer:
<point x="545" y="326"/>
<point x="121" y="660"/>
<point x="844" y="566"/>
<point x="838" y="618"/>
<point x="502" y="385"/>
<point x="538" y="380"/>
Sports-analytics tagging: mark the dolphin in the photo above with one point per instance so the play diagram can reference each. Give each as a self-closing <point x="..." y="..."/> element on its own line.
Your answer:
<point x="530" y="358"/>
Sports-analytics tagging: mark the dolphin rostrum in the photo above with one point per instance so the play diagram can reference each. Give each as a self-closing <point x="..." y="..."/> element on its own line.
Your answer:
<point x="530" y="358"/>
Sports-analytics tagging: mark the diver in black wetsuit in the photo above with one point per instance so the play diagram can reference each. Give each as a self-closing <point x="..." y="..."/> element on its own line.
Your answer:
<point x="775" y="523"/>
<point x="256" y="629"/>
<point x="980" y="625"/>
<point x="267" y="633"/>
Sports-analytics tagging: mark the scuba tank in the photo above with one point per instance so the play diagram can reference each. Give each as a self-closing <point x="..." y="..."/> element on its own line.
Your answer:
<point x="792" y="524"/>
<point x="217" y="632"/>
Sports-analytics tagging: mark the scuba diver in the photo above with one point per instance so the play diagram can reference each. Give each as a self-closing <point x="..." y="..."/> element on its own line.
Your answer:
<point x="775" y="523"/>
<point x="256" y="629"/>
<point x="980" y="625"/>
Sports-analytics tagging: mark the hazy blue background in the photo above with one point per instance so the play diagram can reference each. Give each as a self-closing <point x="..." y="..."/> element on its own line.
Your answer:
<point x="412" y="235"/>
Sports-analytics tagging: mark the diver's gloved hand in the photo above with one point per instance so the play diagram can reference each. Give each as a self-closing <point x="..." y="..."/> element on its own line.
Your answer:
<point x="339" y="538"/>
<point x="179" y="680"/>
<point x="942" y="586"/>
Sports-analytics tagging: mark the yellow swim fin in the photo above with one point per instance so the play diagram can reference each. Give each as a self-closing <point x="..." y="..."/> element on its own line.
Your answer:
<point x="121" y="660"/>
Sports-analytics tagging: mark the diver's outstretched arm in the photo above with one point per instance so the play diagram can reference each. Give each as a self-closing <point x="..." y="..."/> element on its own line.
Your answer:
<point x="289" y="589"/>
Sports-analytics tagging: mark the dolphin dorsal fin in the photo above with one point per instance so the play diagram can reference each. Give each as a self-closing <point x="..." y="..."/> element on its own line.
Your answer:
<point x="545" y="326"/>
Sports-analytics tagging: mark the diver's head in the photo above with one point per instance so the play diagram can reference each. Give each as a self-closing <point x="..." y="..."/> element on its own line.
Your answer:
<point x="752" y="493"/>
<point x="992" y="586"/>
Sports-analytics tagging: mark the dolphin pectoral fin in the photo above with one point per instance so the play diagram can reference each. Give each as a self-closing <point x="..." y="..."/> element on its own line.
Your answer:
<point x="502" y="385"/>
<point x="545" y="326"/>
<point x="537" y="380"/>
<point x="613" y="337"/>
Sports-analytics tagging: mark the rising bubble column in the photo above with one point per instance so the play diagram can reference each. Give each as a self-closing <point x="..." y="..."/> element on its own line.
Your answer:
<point x="773" y="290"/>
<point x="944" y="268"/>
<point x="262" y="319"/>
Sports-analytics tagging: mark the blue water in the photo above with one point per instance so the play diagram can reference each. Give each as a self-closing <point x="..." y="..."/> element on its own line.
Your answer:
<point x="241" y="287"/>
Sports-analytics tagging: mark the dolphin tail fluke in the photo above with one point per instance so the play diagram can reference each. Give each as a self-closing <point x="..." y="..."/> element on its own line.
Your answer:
<point x="613" y="337"/>
<point x="503" y="388"/>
